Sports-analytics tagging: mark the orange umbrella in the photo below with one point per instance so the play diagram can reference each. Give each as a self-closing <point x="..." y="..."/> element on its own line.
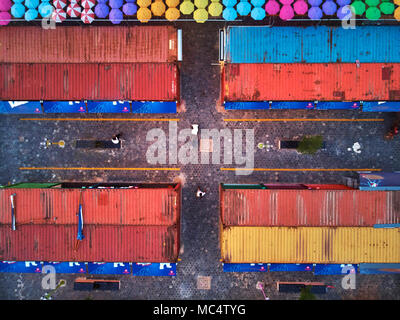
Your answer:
<point x="172" y="14"/>
<point x="143" y="3"/>
<point x="397" y="14"/>
<point x="144" y="15"/>
<point x="172" y="3"/>
<point x="158" y="8"/>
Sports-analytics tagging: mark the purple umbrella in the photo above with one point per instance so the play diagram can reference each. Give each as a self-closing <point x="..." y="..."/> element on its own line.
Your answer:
<point x="344" y="12"/>
<point x="130" y="1"/>
<point x="286" y="12"/>
<point x="115" y="4"/>
<point x="315" y="3"/>
<point x="5" y="5"/>
<point x="329" y="7"/>
<point x="300" y="7"/>
<point x="102" y="1"/>
<point x="315" y="13"/>
<point x="272" y="7"/>
<point x="5" y="18"/>
<point x="101" y="10"/>
<point x="116" y="16"/>
<point x="286" y="1"/>
<point x="342" y="3"/>
<point x="129" y="8"/>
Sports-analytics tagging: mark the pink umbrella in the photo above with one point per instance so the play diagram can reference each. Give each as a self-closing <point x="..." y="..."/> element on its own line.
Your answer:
<point x="272" y="7"/>
<point x="300" y="7"/>
<point x="5" y="5"/>
<point x="286" y="1"/>
<point x="59" y="4"/>
<point x="87" y="16"/>
<point x="74" y="10"/>
<point x="286" y="12"/>
<point x="88" y="4"/>
<point x="59" y="15"/>
<point x="5" y="18"/>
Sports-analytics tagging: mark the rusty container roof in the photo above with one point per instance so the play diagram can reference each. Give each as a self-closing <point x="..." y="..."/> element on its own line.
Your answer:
<point x="83" y="44"/>
<point x="263" y="207"/>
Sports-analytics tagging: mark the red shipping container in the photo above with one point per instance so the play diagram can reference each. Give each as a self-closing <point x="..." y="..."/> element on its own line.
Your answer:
<point x="322" y="82"/>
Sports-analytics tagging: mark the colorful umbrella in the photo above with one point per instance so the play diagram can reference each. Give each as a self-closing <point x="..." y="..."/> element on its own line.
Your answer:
<point x="258" y="13"/>
<point x="229" y="3"/>
<point x="358" y="7"/>
<point x="45" y="9"/>
<point x="5" y="18"/>
<point x="215" y="9"/>
<point x="115" y="16"/>
<point x="373" y="13"/>
<point x="87" y="15"/>
<point x="172" y="14"/>
<point x="258" y="3"/>
<point x="31" y="4"/>
<point x="186" y="7"/>
<point x="129" y="1"/>
<point x="88" y="4"/>
<point x="18" y="10"/>
<point x="397" y="14"/>
<point x="329" y="7"/>
<point x="287" y="2"/>
<point x="74" y="10"/>
<point x="243" y="8"/>
<point x="397" y="2"/>
<point x="115" y="4"/>
<point x="387" y="7"/>
<point x="104" y="1"/>
<point x="229" y="14"/>
<point x="59" y="15"/>
<point x="200" y="15"/>
<point x="372" y="3"/>
<point x="315" y="3"/>
<point x="59" y="4"/>
<point x="143" y="3"/>
<point x="144" y="15"/>
<point x="129" y="8"/>
<point x="272" y="7"/>
<point x="5" y="5"/>
<point x="343" y="3"/>
<point x="201" y="4"/>
<point x="18" y="1"/>
<point x="101" y="10"/>
<point x="172" y="3"/>
<point x="30" y="15"/>
<point x="286" y="13"/>
<point x="315" y="13"/>
<point x="158" y="8"/>
<point x="300" y="7"/>
<point x="344" y="12"/>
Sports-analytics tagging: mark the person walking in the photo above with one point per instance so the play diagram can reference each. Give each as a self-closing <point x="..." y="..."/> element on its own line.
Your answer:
<point x="117" y="138"/>
<point x="199" y="193"/>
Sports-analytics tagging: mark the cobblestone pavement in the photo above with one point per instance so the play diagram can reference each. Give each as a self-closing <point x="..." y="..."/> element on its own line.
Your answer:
<point x="200" y="82"/>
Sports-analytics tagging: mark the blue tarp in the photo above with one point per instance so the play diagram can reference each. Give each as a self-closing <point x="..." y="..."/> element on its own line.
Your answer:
<point x="290" y="267"/>
<point x="109" y="268"/>
<point x="67" y="267"/>
<point x="21" y="107"/>
<point x="337" y="105"/>
<point x="379" y="268"/>
<point x="64" y="106"/>
<point x="108" y="106"/>
<point x="327" y="269"/>
<point x="153" y="106"/>
<point x="245" y="267"/>
<point x="21" y="266"/>
<point x="292" y="105"/>
<point x="380" y="181"/>
<point x="229" y="105"/>
<point x="381" y="106"/>
<point x="154" y="269"/>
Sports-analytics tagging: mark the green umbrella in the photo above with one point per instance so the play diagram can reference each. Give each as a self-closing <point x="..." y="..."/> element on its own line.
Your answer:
<point x="201" y="4"/>
<point x="200" y="15"/>
<point x="215" y="9"/>
<point x="373" y="13"/>
<point x="359" y="7"/>
<point x="186" y="7"/>
<point x="387" y="7"/>
<point x="372" y="3"/>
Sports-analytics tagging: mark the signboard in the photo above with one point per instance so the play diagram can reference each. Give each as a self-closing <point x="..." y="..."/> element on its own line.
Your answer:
<point x="153" y="106"/>
<point x="337" y="105"/>
<point x="380" y="181"/>
<point x="108" y="106"/>
<point x="64" y="106"/>
<point x="154" y="269"/>
<point x="67" y="267"/>
<point x="292" y="105"/>
<point x="240" y="105"/>
<point x="290" y="267"/>
<point x="328" y="269"/>
<point x="21" y="266"/>
<point x="21" y="107"/>
<point x="109" y="268"/>
<point x="245" y="267"/>
<point x="381" y="106"/>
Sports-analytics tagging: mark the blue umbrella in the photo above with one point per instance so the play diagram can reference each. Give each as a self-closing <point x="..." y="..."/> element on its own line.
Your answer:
<point x="116" y="16"/>
<point x="258" y="3"/>
<point x="115" y="4"/>
<point x="129" y="8"/>
<point x="258" y="13"/>
<point x="229" y="14"/>
<point x="31" y="4"/>
<point x="101" y="10"/>
<point x="45" y="9"/>
<point x="229" y="3"/>
<point x="18" y="1"/>
<point x="315" y="13"/>
<point x="315" y="3"/>
<point x="329" y="7"/>
<point x="31" y="14"/>
<point x="243" y="8"/>
<point x="342" y="3"/>
<point x="17" y="10"/>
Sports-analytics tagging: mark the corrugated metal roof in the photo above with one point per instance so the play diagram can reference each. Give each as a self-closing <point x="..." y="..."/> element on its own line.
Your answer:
<point x="83" y="44"/>
<point x="241" y="207"/>
<point x="323" y="82"/>
<point x="139" y="81"/>
<point x="315" y="44"/>
<point x="140" y="225"/>
<point x="310" y="245"/>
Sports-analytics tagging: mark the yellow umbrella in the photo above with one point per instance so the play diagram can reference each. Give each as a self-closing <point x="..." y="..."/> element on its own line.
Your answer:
<point x="172" y="14"/>
<point x="158" y="8"/>
<point x="215" y="9"/>
<point x="186" y="7"/>
<point x="144" y="15"/>
<point x="143" y="3"/>
<point x="397" y="14"/>
<point x="201" y="4"/>
<point x="397" y="2"/>
<point x="200" y="15"/>
<point x="172" y="3"/>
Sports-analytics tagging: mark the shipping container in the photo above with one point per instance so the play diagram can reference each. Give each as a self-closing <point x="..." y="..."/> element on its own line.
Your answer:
<point x="300" y="82"/>
<point x="82" y="44"/>
<point x="310" y="245"/>
<point x="89" y="81"/>
<point x="135" y="225"/>
<point x="344" y="208"/>
<point x="315" y="44"/>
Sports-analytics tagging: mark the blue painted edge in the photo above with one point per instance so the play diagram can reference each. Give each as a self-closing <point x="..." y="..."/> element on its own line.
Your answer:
<point x="380" y="188"/>
<point x="388" y="225"/>
<point x="379" y="268"/>
<point x="332" y="269"/>
<point x="154" y="107"/>
<point x="306" y="105"/>
<point x="245" y="267"/>
<point x="67" y="267"/>
<point x="64" y="107"/>
<point x="246" y="105"/>
<point x="21" y="266"/>
<point x="381" y="106"/>
<point x="277" y="267"/>
<point x="337" y="105"/>
<point x="108" y="106"/>
<point x="108" y="268"/>
<point x="154" y="269"/>
<point x="20" y="107"/>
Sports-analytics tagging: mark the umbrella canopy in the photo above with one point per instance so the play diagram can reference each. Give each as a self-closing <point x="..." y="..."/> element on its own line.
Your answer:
<point x="286" y="1"/>
<point x="243" y="8"/>
<point x="18" y="10"/>
<point x="129" y="1"/>
<point x="5" y="5"/>
<point x="59" y="15"/>
<point x="201" y="4"/>
<point x="258" y="3"/>
<point x="359" y="7"/>
<point x="372" y="3"/>
<point x="88" y="4"/>
<point x="101" y="10"/>
<point x="115" y="16"/>
<point x="87" y="15"/>
<point x="129" y="8"/>
<point x="387" y="7"/>
<point x="172" y="14"/>
<point x="272" y="7"/>
<point x="215" y="9"/>
<point x="172" y="3"/>
<point x="229" y="3"/>
<point x="115" y="4"/>
<point x="343" y="3"/>
<point x="45" y="9"/>
<point x="31" y="14"/>
<point x="5" y="18"/>
<point x="329" y="7"/>
<point x="18" y="1"/>
<point x="258" y="13"/>
<point x="344" y="12"/>
<point x="286" y="13"/>
<point x="200" y="15"/>
<point x="186" y="7"/>
<point x="158" y="8"/>
<point x="300" y="7"/>
<point x="397" y="14"/>
<point x="229" y="14"/>
<point x="144" y="15"/>
<point x="143" y="3"/>
<point x="315" y="3"/>
<point x="101" y="1"/>
<point x="74" y="10"/>
<point x="31" y="4"/>
<point x="373" y="13"/>
<point x="59" y="4"/>
<point x="315" y="13"/>
<point x="397" y="2"/>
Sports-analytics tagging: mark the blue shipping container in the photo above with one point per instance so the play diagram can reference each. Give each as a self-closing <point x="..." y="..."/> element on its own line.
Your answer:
<point x="320" y="44"/>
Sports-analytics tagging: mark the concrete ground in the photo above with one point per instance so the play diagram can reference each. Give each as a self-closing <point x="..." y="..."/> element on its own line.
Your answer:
<point x="200" y="252"/>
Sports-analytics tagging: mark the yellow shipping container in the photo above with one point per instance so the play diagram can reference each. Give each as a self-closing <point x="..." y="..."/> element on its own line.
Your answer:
<point x="310" y="245"/>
